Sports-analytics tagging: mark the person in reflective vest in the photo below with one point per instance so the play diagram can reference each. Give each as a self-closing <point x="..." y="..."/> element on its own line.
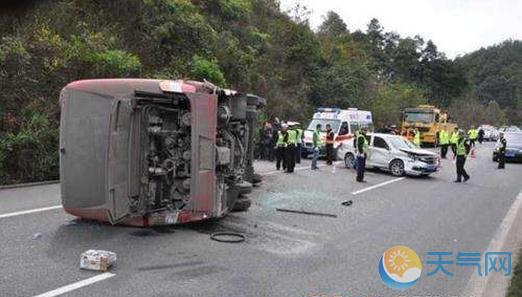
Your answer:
<point x="417" y="138"/>
<point x="362" y="154"/>
<point x="330" y="135"/>
<point x="316" y="144"/>
<point x="299" y="148"/>
<point x="291" y="143"/>
<point x="280" y="147"/>
<point x="473" y="135"/>
<point x="453" y="141"/>
<point x="462" y="152"/>
<point x="444" y="143"/>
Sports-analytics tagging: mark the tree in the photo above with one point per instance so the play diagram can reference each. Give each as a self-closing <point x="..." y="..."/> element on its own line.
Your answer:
<point x="494" y="115"/>
<point x="333" y="25"/>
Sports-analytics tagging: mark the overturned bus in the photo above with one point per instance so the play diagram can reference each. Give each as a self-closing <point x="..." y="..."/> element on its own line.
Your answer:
<point x="154" y="152"/>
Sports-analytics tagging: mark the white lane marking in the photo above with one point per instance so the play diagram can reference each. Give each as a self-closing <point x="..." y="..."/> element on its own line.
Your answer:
<point x="377" y="185"/>
<point x="23" y="212"/>
<point x="477" y="284"/>
<point x="77" y="285"/>
<point x="295" y="169"/>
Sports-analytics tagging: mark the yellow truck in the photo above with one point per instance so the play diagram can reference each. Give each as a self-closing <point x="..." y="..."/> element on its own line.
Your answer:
<point x="428" y="120"/>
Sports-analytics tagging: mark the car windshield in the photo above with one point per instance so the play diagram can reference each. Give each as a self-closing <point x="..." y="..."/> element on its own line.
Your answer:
<point x="334" y="123"/>
<point x="513" y="137"/>
<point x="401" y="143"/>
<point x="425" y="117"/>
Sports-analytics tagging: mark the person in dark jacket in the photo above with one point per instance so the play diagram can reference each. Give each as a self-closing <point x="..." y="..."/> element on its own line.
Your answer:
<point x="362" y="154"/>
<point x="481" y="135"/>
<point x="329" y="144"/>
<point x="267" y="142"/>
<point x="501" y="151"/>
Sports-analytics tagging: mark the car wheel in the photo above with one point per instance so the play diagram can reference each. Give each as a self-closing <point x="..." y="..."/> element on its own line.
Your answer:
<point x="397" y="167"/>
<point x="242" y="204"/>
<point x="348" y="160"/>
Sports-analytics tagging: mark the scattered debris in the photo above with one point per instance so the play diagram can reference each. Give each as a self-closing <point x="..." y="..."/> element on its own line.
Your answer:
<point x="36" y="236"/>
<point x="230" y="237"/>
<point x="347" y="203"/>
<point x="97" y="260"/>
<point x="307" y="212"/>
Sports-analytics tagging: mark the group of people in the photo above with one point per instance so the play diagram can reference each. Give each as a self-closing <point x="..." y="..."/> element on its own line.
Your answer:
<point x="462" y="143"/>
<point x="282" y="141"/>
<point x="317" y="144"/>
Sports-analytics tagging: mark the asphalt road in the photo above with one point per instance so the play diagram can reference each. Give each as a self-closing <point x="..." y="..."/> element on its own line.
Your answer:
<point x="285" y="254"/>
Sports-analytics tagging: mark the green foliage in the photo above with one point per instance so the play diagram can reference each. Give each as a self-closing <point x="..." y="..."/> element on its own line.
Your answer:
<point x="391" y="99"/>
<point x="233" y="9"/>
<point x="201" y="69"/>
<point x="470" y="111"/>
<point x="114" y="63"/>
<point x="247" y="45"/>
<point x="29" y="150"/>
<point x="495" y="74"/>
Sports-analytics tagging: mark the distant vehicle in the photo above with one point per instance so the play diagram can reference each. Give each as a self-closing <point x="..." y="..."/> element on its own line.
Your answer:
<point x="146" y="152"/>
<point x="509" y="129"/>
<point x="490" y="132"/>
<point x="513" y="149"/>
<point x="429" y="120"/>
<point x="393" y="153"/>
<point x="344" y="123"/>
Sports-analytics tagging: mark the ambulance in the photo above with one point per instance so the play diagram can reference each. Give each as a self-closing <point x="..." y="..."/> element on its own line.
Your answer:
<point x="344" y="123"/>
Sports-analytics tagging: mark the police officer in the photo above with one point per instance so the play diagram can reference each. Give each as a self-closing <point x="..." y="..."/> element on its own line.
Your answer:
<point x="291" y="143"/>
<point x="462" y="152"/>
<point x="316" y="144"/>
<point x="444" y="142"/>
<point x="501" y="151"/>
<point x="280" y="147"/>
<point x="362" y="153"/>
<point x="329" y="144"/>
<point x="473" y="135"/>
<point x="299" y="148"/>
<point x="453" y="141"/>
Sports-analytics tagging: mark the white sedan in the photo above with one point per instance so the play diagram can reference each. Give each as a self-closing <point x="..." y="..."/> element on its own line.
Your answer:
<point x="392" y="153"/>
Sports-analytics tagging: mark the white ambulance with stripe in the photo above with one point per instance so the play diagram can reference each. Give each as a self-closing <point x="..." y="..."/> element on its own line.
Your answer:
<point x="344" y="123"/>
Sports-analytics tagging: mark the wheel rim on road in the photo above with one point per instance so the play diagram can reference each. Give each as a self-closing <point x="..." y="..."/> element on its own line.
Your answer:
<point x="348" y="160"/>
<point x="397" y="168"/>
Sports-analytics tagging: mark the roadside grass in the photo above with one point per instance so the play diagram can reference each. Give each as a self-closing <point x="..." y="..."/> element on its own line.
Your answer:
<point x="515" y="288"/>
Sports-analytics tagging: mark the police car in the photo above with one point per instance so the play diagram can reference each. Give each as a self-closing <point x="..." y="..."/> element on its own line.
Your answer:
<point x="344" y="123"/>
